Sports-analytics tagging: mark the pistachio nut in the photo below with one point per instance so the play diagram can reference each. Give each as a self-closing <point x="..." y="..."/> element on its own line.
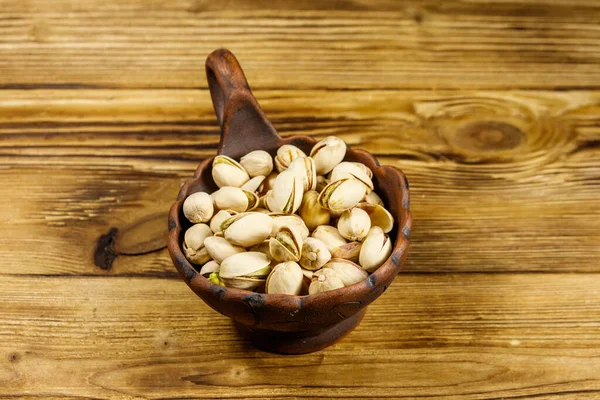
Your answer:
<point x="261" y="210"/>
<point x="366" y="169"/>
<point x="193" y="243"/>
<point x="209" y="268"/>
<point x="342" y="195"/>
<point x="330" y="236"/>
<point x="321" y="183"/>
<point x="219" y="248"/>
<point x="262" y="247"/>
<point x="247" y="229"/>
<point x="287" y="192"/>
<point x="348" y="272"/>
<point x="286" y="245"/>
<point x="285" y="155"/>
<point x="308" y="274"/>
<point x="324" y="280"/>
<point x="373" y="198"/>
<point x="376" y="248"/>
<point x="291" y="220"/>
<point x="214" y="278"/>
<point x="379" y="216"/>
<point x="349" y="251"/>
<point x="245" y="270"/>
<point x="253" y="185"/>
<point x="354" y="224"/>
<point x="328" y="153"/>
<point x="304" y="167"/>
<point x="311" y="211"/>
<point x="236" y="199"/>
<point x="217" y="220"/>
<point x="198" y="207"/>
<point x="268" y="183"/>
<point x="228" y="172"/>
<point x="351" y="170"/>
<point x="257" y="162"/>
<point x="315" y="254"/>
<point x="285" y="278"/>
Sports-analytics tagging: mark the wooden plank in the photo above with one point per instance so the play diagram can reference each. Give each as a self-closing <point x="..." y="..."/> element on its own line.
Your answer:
<point x="309" y="44"/>
<point x="477" y="336"/>
<point x="500" y="181"/>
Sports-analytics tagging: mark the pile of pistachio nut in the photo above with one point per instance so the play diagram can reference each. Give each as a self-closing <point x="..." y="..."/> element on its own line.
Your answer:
<point x="313" y="225"/>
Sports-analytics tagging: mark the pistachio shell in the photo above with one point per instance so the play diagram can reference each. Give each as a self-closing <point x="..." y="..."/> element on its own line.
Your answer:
<point x="287" y="192"/>
<point x="286" y="278"/>
<point x="314" y="254"/>
<point x="379" y="216"/>
<point x="354" y="224"/>
<point x="257" y="162"/>
<point x="324" y="280"/>
<point x="285" y="155"/>
<point x="198" y="207"/>
<point x="349" y="251"/>
<point x="262" y="210"/>
<point x="268" y="183"/>
<point x="193" y="244"/>
<point x="373" y="198"/>
<point x="247" y="229"/>
<point x="219" y="248"/>
<point x="305" y="169"/>
<point x="348" y="272"/>
<point x="209" y="268"/>
<point x="217" y="220"/>
<point x="228" y="172"/>
<point x="311" y="211"/>
<point x="308" y="274"/>
<point x="286" y="245"/>
<point x="262" y="247"/>
<point x="366" y="169"/>
<point x="328" y="153"/>
<point x="321" y="183"/>
<point x="351" y="170"/>
<point x="291" y="220"/>
<point x="253" y="265"/>
<point x="330" y="236"/>
<point x="376" y="248"/>
<point x="253" y="184"/>
<point x="236" y="199"/>
<point x="342" y="194"/>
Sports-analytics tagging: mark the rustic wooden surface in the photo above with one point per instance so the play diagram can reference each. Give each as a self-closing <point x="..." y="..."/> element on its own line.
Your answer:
<point x="491" y="107"/>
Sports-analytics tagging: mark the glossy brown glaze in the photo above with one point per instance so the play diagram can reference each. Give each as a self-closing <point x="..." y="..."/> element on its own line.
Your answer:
<point x="282" y="323"/>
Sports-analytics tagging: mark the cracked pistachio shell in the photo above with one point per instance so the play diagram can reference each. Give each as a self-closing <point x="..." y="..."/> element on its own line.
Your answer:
<point x="328" y="153"/>
<point x="268" y="183"/>
<point x="285" y="278"/>
<point x="253" y="185"/>
<point x="354" y="224"/>
<point x="261" y="210"/>
<point x="217" y="220"/>
<point x="228" y="172"/>
<point x="286" y="245"/>
<point x="209" y="268"/>
<point x="291" y="220"/>
<point x="219" y="248"/>
<point x="376" y="248"/>
<point x="315" y="254"/>
<point x="236" y="199"/>
<point x="321" y="183"/>
<point x="379" y="216"/>
<point x="308" y="274"/>
<point x="351" y="170"/>
<point x="247" y="229"/>
<point x="342" y="195"/>
<point x="257" y="162"/>
<point x="373" y="198"/>
<point x="198" y="207"/>
<point x="349" y="251"/>
<point x="311" y="211"/>
<point x="285" y="155"/>
<point x="305" y="169"/>
<point x="349" y="272"/>
<point x="324" y="280"/>
<point x="245" y="270"/>
<point x="287" y="192"/>
<point x="193" y="243"/>
<point x="262" y="248"/>
<point x="330" y="236"/>
<point x="366" y="169"/>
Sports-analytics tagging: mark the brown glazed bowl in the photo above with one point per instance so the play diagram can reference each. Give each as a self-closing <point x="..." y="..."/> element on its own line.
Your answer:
<point x="275" y="322"/>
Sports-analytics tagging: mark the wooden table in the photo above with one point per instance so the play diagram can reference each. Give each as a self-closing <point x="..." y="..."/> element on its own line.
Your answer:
<point x="491" y="107"/>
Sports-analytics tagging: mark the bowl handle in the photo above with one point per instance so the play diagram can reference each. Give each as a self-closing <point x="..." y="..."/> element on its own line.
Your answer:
<point x="244" y="126"/>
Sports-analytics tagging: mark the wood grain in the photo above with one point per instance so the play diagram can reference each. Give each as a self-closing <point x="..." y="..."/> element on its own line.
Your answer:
<point x="446" y="335"/>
